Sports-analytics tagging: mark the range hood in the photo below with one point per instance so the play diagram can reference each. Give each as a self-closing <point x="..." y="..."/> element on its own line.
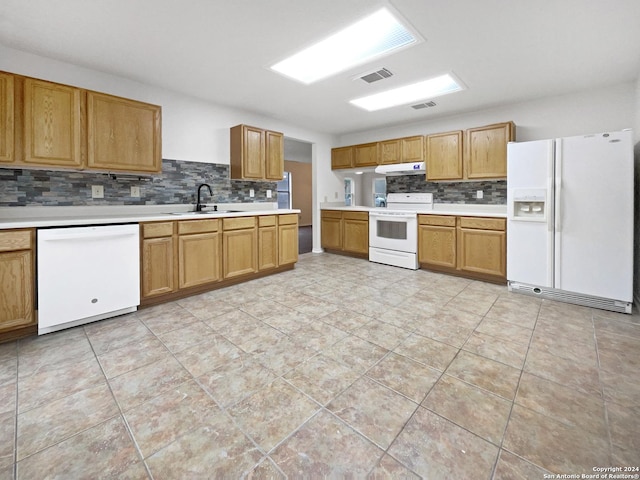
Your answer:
<point x="415" y="168"/>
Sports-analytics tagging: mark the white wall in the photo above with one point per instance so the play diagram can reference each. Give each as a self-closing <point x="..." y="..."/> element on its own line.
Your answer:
<point x="605" y="109"/>
<point x="192" y="129"/>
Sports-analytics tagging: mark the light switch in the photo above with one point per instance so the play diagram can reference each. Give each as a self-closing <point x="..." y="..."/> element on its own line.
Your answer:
<point x="252" y="192"/>
<point x="268" y="193"/>
<point x="479" y="194"/>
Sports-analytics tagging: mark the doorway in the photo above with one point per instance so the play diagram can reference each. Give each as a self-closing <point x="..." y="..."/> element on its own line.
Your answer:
<point x="298" y="167"/>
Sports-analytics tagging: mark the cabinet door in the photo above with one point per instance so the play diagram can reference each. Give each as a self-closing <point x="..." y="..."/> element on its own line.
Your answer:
<point x="391" y="151"/>
<point x="123" y="134"/>
<point x="287" y="244"/>
<point x="365" y="155"/>
<point x="486" y="150"/>
<point x="342" y="157"/>
<point x="331" y="232"/>
<point x="6" y="119"/>
<point x="482" y="251"/>
<point x="253" y="152"/>
<point x="157" y="266"/>
<point x="274" y="156"/>
<point x="199" y="259"/>
<point x="412" y="149"/>
<point x="16" y="289"/>
<point x="444" y="156"/>
<point x="52" y="124"/>
<point x="239" y="252"/>
<point x="437" y="245"/>
<point x="356" y="236"/>
<point x="267" y="247"/>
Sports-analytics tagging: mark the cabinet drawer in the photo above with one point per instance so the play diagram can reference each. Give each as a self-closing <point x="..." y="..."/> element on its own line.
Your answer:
<point x="154" y="230"/>
<point x="15" y="240"/>
<point x="288" y="219"/>
<point x="331" y="214"/>
<point x="198" y="226"/>
<point x="238" y="223"/>
<point x="355" y="215"/>
<point x="267" y="221"/>
<point x="440" y="220"/>
<point x="483" y="223"/>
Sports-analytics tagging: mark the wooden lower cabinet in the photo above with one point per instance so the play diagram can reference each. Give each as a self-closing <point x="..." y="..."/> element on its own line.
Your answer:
<point x="17" y="282"/>
<point x="239" y="246"/>
<point x="267" y="242"/>
<point x="355" y="232"/>
<point x="157" y="259"/>
<point x="157" y="266"/>
<point x="199" y="259"/>
<point x="482" y="246"/>
<point x="437" y="241"/>
<point x="469" y="246"/>
<point x="345" y="231"/>
<point x="331" y="229"/>
<point x="287" y="239"/>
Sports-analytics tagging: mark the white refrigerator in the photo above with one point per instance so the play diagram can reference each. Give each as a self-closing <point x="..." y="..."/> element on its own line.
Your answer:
<point x="570" y="219"/>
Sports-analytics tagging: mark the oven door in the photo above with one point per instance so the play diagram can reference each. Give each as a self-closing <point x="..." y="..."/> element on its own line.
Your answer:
<point x="394" y="231"/>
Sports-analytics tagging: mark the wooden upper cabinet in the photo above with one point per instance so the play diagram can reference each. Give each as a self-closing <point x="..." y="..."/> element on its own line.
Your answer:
<point x="52" y="124"/>
<point x="412" y="149"/>
<point x="365" y="155"/>
<point x="444" y="156"/>
<point x="252" y="152"/>
<point x="274" y="155"/>
<point x="342" y="157"/>
<point x="256" y="154"/>
<point x="402" y="150"/>
<point x="123" y="135"/>
<point x="390" y="151"/>
<point x="486" y="150"/>
<point x="7" y="151"/>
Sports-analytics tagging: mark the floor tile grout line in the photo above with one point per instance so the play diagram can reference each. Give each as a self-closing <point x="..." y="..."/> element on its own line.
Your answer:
<point x="120" y="410"/>
<point x="515" y="396"/>
<point x="602" y="391"/>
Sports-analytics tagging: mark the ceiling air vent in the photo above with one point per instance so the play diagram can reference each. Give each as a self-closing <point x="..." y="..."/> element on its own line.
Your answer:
<point x="377" y="75"/>
<point x="420" y="106"/>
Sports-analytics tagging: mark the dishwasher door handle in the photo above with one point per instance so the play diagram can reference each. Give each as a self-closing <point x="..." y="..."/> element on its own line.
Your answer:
<point x="85" y="237"/>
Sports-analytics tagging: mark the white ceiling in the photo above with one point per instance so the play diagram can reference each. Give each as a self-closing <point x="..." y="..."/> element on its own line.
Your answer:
<point x="504" y="51"/>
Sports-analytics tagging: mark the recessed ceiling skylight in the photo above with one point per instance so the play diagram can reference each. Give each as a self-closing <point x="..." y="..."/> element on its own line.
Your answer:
<point x="434" y="87"/>
<point x="374" y="36"/>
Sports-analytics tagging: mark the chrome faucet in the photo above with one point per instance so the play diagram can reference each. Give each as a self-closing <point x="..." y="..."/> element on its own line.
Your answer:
<point x="200" y="206"/>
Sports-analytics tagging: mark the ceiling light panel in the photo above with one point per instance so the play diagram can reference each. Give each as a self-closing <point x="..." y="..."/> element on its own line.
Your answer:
<point x="434" y="87"/>
<point x="377" y="35"/>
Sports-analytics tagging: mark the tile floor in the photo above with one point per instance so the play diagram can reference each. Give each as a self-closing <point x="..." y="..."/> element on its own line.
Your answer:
<point x="338" y="369"/>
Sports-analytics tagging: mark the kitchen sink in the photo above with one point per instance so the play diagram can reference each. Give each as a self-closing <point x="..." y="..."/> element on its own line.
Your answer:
<point x="205" y="212"/>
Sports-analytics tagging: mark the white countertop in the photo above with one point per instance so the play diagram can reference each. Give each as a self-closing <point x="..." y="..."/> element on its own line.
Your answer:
<point x="466" y="209"/>
<point x="30" y="217"/>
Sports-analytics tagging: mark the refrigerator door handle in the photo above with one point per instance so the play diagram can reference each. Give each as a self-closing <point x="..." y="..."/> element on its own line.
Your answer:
<point x="557" y="199"/>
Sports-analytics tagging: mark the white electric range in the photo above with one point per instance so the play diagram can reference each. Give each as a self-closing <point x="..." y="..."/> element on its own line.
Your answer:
<point x="393" y="231"/>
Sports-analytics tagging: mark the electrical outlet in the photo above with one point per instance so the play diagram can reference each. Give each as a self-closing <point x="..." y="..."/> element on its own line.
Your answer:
<point x="479" y="194"/>
<point x="135" y="192"/>
<point x="268" y="193"/>
<point x="97" y="191"/>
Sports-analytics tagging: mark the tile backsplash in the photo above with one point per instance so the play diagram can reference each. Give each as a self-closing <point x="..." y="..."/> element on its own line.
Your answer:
<point x="494" y="191"/>
<point x="176" y="184"/>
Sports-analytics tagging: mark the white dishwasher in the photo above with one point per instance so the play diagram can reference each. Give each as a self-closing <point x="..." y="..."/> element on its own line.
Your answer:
<point x="86" y="274"/>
